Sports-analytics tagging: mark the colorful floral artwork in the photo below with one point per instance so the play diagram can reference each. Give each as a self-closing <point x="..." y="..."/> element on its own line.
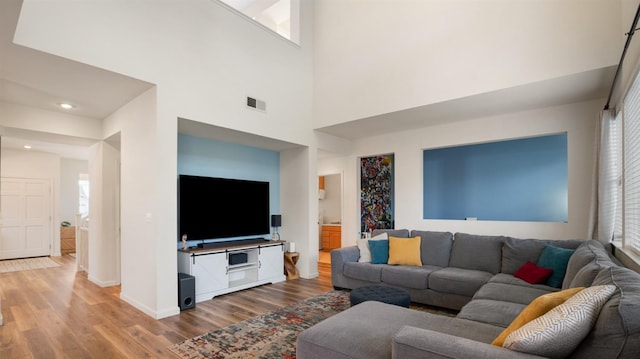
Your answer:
<point x="376" y="192"/>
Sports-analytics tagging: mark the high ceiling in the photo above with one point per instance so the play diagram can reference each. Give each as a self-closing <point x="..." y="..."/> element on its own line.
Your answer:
<point x="579" y="87"/>
<point x="39" y="80"/>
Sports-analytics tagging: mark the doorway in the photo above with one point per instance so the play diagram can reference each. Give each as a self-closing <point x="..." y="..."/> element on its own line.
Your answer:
<point x="330" y="194"/>
<point x="25" y="229"/>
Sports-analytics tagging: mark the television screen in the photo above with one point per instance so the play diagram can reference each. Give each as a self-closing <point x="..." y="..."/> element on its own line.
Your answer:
<point x="212" y="208"/>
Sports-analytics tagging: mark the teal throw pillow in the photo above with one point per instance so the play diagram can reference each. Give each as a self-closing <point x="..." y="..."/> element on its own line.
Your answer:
<point x="379" y="251"/>
<point x="555" y="258"/>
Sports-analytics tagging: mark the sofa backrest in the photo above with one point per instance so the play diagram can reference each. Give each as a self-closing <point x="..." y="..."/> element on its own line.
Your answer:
<point x="435" y="247"/>
<point x="401" y="233"/>
<point x="483" y="253"/>
<point x="586" y="262"/>
<point x="616" y="333"/>
<point x="516" y="252"/>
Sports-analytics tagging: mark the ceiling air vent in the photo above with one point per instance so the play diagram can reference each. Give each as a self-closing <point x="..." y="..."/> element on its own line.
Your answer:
<point x="256" y="104"/>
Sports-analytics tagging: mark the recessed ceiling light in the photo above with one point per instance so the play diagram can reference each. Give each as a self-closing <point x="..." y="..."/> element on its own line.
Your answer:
<point x="66" y="106"/>
<point x="27" y="147"/>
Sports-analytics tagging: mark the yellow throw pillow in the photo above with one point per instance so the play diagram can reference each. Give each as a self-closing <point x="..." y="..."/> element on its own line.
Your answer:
<point x="536" y="308"/>
<point x="404" y="251"/>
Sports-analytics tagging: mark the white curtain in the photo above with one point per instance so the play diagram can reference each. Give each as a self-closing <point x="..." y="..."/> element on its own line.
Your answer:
<point x="606" y="179"/>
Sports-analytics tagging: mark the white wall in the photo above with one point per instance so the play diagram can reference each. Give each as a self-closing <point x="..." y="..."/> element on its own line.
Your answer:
<point x="70" y="171"/>
<point x="376" y="57"/>
<point x="32" y="164"/>
<point x="204" y="60"/>
<point x="578" y="120"/>
<point x="144" y="248"/>
<point x="299" y="206"/>
<point x="103" y="234"/>
<point x="201" y="53"/>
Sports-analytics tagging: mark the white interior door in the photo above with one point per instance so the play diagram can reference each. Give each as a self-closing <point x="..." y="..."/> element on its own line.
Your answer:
<point x="25" y="220"/>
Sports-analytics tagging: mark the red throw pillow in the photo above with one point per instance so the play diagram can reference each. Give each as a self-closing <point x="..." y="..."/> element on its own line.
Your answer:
<point x="533" y="274"/>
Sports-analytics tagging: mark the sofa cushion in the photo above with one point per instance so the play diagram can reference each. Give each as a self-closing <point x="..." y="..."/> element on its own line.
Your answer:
<point x="536" y="308"/>
<point x="557" y="259"/>
<point x="458" y="281"/>
<point x="408" y="276"/>
<point x="509" y="279"/>
<point x="492" y="312"/>
<point x="617" y="329"/>
<point x="533" y="274"/>
<point x="517" y="252"/>
<point x="435" y="247"/>
<point x="587" y="274"/>
<point x="558" y="332"/>
<point x="404" y="233"/>
<point x="509" y="293"/>
<point x="481" y="253"/>
<point x="379" y="251"/>
<point x="349" y="334"/>
<point x="589" y="252"/>
<point x="405" y="251"/>
<point x="363" y="247"/>
<point x="363" y="271"/>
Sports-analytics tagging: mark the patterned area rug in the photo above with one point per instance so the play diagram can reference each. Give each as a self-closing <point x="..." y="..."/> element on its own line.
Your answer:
<point x="271" y="335"/>
<point x="15" y="265"/>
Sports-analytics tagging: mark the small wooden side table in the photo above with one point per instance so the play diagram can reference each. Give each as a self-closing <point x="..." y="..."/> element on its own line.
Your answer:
<point x="290" y="260"/>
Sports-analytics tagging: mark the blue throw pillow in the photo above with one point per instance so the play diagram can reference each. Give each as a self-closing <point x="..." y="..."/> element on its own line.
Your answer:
<point x="379" y="251"/>
<point x="555" y="258"/>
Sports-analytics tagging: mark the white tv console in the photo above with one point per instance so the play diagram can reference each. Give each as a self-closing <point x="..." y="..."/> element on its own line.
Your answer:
<point x="215" y="276"/>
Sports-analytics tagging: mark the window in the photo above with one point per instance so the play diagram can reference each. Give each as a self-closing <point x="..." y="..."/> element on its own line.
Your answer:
<point x="617" y="134"/>
<point x="83" y="187"/>
<point x="276" y="15"/>
<point x="631" y="164"/>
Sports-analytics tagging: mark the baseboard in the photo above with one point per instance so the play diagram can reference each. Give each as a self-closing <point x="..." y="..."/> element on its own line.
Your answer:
<point x="102" y="284"/>
<point x="148" y="311"/>
<point x="310" y="276"/>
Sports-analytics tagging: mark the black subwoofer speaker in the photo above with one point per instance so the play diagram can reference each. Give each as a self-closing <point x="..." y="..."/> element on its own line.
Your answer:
<point x="186" y="291"/>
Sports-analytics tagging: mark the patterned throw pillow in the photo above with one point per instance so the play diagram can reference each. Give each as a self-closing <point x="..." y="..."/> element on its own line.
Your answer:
<point x="363" y="246"/>
<point x="536" y="308"/>
<point x="559" y="332"/>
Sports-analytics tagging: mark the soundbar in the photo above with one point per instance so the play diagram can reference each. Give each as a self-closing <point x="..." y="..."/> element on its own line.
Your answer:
<point x="230" y="243"/>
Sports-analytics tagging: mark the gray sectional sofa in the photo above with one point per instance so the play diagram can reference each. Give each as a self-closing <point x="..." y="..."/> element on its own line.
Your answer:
<point x="472" y="274"/>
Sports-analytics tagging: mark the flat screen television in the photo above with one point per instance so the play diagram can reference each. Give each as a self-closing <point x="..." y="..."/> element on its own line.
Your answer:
<point x="214" y="208"/>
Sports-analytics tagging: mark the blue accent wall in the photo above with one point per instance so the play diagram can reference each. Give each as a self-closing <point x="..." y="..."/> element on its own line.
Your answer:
<point x="212" y="158"/>
<point x="515" y="180"/>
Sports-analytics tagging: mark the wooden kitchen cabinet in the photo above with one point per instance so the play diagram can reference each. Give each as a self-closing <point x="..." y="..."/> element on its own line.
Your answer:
<point x="331" y="237"/>
<point x="67" y="240"/>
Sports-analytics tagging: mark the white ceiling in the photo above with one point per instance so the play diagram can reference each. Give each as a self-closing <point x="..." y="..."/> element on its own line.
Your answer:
<point x="33" y="78"/>
<point x="584" y="86"/>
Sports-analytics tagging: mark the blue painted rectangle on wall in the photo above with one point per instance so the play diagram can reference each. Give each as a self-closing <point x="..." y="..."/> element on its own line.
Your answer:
<point x="514" y="180"/>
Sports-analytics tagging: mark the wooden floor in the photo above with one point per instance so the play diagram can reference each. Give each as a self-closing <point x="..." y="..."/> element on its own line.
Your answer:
<point x="58" y="313"/>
